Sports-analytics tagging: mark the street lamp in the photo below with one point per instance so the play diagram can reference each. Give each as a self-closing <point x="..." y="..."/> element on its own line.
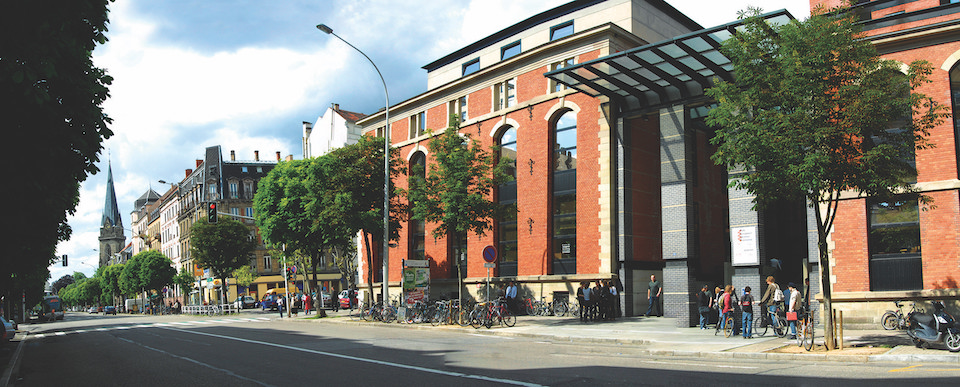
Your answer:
<point x="386" y="167"/>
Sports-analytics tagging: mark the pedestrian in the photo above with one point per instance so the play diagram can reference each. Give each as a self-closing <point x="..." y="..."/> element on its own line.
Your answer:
<point x="353" y="297"/>
<point x="601" y="298"/>
<point x="746" y="303"/>
<point x="511" y="296"/>
<point x="654" y="289"/>
<point x="717" y="301"/>
<point x="614" y="300"/>
<point x="727" y="305"/>
<point x="703" y="302"/>
<point x="306" y="303"/>
<point x="794" y="308"/>
<point x="280" y="303"/>
<point x="586" y="308"/>
<point x="770" y="299"/>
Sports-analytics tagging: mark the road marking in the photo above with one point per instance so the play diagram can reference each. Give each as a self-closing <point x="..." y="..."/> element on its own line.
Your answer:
<point x="228" y="372"/>
<point x="917" y="368"/>
<point x="38" y="336"/>
<point x="60" y="334"/>
<point x="491" y="336"/>
<point x="698" y="364"/>
<point x="365" y="360"/>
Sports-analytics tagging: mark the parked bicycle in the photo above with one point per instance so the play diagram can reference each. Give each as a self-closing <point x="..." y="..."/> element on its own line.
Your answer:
<point x="765" y="321"/>
<point x="805" y="332"/>
<point x="896" y="319"/>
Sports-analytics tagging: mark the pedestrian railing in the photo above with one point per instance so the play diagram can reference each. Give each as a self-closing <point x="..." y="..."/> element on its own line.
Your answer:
<point x="210" y="309"/>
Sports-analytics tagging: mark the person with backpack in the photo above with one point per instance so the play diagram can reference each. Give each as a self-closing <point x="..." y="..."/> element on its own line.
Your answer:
<point x="746" y="303"/>
<point x="726" y="305"/>
<point x="771" y="297"/>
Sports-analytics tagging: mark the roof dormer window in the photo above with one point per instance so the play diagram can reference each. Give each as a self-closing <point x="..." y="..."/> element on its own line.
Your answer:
<point x="561" y="30"/>
<point x="509" y="50"/>
<point x="471" y="67"/>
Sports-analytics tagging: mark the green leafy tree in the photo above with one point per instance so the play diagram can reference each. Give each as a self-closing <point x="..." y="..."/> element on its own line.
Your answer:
<point x="813" y="112"/>
<point x="185" y="280"/>
<point x="52" y="96"/>
<point x="457" y="190"/>
<point x="245" y="276"/>
<point x="63" y="282"/>
<point x="129" y="280"/>
<point x="109" y="277"/>
<point x="221" y="247"/>
<point x="156" y="271"/>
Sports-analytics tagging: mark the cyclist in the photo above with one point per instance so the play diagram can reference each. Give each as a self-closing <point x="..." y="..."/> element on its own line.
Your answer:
<point x="770" y="300"/>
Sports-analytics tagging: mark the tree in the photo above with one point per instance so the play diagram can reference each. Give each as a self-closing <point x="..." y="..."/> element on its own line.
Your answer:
<point x="156" y="271"/>
<point x="244" y="276"/>
<point x="109" y="277"/>
<point x="813" y="112"/>
<point x="185" y="280"/>
<point x="52" y="96"/>
<point x="63" y="282"/>
<point x="457" y="190"/>
<point x="129" y="279"/>
<point x="221" y="247"/>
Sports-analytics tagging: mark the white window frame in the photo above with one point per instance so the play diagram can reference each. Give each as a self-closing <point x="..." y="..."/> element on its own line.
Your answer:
<point x="503" y="95"/>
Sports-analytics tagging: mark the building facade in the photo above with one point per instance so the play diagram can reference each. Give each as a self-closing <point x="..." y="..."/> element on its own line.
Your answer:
<point x="559" y="142"/>
<point x="924" y="262"/>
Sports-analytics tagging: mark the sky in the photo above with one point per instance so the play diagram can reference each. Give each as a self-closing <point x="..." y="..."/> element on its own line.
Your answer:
<point x="245" y="74"/>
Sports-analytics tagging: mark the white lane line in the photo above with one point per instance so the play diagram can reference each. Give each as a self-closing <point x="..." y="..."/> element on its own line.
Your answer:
<point x="228" y="372"/>
<point x="39" y="336"/>
<point x="182" y="323"/>
<point x="102" y="329"/>
<point x="61" y="334"/>
<point x="372" y="361"/>
<point x="158" y="325"/>
<point x="80" y="331"/>
<point x="201" y="322"/>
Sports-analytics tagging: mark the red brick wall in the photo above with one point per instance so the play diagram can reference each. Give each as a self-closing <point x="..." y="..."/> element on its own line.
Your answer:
<point x="851" y="255"/>
<point x="644" y="187"/>
<point x="940" y="242"/>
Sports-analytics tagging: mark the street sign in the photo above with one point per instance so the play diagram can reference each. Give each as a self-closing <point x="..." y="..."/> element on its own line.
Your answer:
<point x="490" y="253"/>
<point x="490" y="265"/>
<point x="416" y="263"/>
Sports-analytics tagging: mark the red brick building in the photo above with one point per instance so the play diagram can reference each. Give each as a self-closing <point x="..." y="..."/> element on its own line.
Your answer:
<point x="600" y="105"/>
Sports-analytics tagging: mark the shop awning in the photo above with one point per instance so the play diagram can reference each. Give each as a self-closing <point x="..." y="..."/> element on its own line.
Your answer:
<point x="660" y="74"/>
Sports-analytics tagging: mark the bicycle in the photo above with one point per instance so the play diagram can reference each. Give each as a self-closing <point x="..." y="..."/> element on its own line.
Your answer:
<point x="763" y="323"/>
<point x="805" y="333"/>
<point x="891" y="320"/>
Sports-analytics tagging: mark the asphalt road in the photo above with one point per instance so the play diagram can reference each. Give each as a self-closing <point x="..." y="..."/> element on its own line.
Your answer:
<point x="256" y="349"/>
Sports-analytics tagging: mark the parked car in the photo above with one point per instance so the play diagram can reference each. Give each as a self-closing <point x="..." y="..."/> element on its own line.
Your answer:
<point x="93" y="309"/>
<point x="9" y="329"/>
<point x="269" y="302"/>
<point x="109" y="310"/>
<point x="245" y="302"/>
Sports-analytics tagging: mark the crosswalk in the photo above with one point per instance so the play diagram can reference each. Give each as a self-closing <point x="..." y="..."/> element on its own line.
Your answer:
<point x="177" y="324"/>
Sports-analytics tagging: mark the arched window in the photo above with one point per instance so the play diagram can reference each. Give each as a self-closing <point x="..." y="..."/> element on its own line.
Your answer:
<point x="955" y="96"/>
<point x="507" y="195"/>
<point x="418" y="232"/>
<point x="564" y="204"/>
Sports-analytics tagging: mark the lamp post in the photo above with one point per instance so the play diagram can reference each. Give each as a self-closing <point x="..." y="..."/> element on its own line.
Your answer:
<point x="386" y="166"/>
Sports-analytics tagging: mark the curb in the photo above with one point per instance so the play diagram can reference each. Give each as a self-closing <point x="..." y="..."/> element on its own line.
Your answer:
<point x="812" y="357"/>
<point x="13" y="368"/>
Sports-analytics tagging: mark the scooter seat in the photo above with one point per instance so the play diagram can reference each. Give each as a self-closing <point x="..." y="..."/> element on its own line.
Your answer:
<point x="924" y="319"/>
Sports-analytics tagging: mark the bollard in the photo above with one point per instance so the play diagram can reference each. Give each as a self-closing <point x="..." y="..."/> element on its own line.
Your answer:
<point x="840" y="329"/>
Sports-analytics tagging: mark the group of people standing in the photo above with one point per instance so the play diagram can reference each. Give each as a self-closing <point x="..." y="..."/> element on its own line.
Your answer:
<point x="724" y="301"/>
<point x="601" y="302"/>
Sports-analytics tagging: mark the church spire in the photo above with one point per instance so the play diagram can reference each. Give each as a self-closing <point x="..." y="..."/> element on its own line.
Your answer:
<point x="111" y="212"/>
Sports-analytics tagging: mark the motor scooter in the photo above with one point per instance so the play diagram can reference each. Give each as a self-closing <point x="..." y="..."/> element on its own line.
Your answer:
<point x="925" y="328"/>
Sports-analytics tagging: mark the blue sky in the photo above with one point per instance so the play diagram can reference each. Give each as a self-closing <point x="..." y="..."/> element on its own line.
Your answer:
<point x="244" y="74"/>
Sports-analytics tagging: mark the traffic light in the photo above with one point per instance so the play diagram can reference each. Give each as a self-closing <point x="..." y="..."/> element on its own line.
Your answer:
<point x="289" y="274"/>
<point x="212" y="213"/>
<point x="64" y="260"/>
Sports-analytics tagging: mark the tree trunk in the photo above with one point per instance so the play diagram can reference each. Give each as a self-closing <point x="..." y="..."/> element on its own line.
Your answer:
<point x="825" y="286"/>
<point x="318" y="299"/>
<point x="366" y="240"/>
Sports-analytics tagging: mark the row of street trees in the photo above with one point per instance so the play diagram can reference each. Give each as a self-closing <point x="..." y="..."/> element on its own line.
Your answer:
<point x="145" y="273"/>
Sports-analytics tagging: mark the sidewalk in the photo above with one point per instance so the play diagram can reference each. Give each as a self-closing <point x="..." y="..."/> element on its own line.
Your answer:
<point x="661" y="337"/>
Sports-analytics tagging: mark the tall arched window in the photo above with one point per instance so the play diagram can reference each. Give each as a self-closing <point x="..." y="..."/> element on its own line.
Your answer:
<point x="507" y="195"/>
<point x="417" y="243"/>
<point x="955" y="96"/>
<point x="564" y="205"/>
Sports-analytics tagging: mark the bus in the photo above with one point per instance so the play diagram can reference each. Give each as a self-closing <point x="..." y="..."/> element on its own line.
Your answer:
<point x="51" y="309"/>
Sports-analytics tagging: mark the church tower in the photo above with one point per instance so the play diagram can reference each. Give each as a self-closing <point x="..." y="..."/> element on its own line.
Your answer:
<point x="111" y="226"/>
